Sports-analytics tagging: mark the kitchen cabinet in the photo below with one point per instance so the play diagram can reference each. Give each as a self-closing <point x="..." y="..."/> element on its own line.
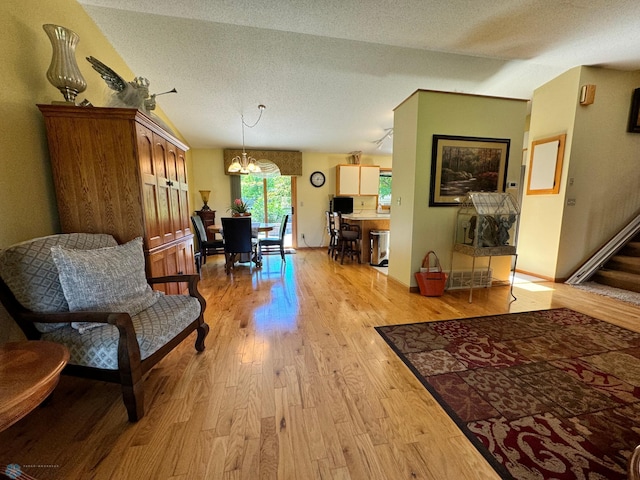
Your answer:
<point x="357" y="180"/>
<point x="116" y="171"/>
<point x="369" y="179"/>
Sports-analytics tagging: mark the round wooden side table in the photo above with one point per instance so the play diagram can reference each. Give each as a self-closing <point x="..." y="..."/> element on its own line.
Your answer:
<point x="29" y="371"/>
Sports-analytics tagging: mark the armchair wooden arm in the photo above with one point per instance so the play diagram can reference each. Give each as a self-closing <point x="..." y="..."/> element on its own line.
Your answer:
<point x="173" y="278"/>
<point x="191" y="280"/>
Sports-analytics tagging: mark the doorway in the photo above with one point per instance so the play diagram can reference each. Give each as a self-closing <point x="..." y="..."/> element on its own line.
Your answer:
<point x="269" y="199"/>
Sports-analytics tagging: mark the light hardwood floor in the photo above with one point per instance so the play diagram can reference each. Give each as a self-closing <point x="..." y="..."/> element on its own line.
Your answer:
<point x="295" y="383"/>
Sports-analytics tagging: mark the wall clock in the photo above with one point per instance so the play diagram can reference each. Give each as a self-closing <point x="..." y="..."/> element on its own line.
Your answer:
<point x="317" y="179"/>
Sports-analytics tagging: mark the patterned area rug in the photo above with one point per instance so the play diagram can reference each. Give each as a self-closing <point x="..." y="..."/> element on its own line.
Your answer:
<point x="553" y="394"/>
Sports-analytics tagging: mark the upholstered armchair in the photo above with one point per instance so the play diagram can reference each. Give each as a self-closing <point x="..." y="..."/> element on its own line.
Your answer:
<point x="91" y="295"/>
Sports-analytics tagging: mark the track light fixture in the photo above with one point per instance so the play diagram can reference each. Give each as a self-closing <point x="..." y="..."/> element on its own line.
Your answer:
<point x="388" y="133"/>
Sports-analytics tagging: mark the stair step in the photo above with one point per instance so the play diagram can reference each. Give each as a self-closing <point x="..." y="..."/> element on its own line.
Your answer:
<point x="624" y="264"/>
<point x="631" y="249"/>
<point x="617" y="279"/>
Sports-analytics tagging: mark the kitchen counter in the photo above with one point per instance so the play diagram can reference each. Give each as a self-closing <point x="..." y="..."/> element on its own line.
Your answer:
<point x="367" y="221"/>
<point x="367" y="216"/>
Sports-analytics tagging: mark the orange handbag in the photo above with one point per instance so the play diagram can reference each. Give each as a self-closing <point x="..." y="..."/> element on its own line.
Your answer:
<point x="431" y="279"/>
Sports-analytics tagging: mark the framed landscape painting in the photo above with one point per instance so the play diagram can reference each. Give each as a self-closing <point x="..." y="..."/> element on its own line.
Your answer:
<point x="466" y="164"/>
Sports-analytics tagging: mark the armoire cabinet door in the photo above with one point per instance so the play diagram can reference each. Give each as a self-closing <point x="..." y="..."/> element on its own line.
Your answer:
<point x="174" y="260"/>
<point x="182" y="187"/>
<point x="185" y="262"/>
<point x="165" y="175"/>
<point x="152" y="215"/>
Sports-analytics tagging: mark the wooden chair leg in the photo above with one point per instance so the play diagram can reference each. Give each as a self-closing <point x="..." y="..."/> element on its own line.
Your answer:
<point x="132" y="391"/>
<point x="203" y="331"/>
<point x="133" y="397"/>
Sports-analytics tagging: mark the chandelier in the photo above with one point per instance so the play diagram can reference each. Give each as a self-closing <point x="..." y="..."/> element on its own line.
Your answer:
<point x="245" y="164"/>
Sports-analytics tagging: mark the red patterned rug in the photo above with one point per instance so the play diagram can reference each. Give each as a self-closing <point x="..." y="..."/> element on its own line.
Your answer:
<point x="553" y="394"/>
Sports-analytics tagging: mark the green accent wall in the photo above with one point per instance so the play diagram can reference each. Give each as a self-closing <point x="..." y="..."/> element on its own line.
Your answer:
<point x="415" y="226"/>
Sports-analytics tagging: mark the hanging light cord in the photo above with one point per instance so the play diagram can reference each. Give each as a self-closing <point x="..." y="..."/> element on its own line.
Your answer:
<point x="261" y="108"/>
<point x="245" y="124"/>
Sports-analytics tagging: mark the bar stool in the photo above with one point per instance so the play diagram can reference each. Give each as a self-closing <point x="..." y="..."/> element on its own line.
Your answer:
<point x="348" y="240"/>
<point x="333" y="234"/>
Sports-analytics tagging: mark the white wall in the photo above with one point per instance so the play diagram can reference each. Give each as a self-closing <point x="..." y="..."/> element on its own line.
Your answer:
<point x="207" y="173"/>
<point x="604" y="166"/>
<point x="403" y="190"/>
<point x="601" y="161"/>
<point x="552" y="113"/>
<point x="432" y="228"/>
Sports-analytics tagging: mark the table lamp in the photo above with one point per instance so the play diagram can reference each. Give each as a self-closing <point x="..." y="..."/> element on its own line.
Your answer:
<point x="204" y="194"/>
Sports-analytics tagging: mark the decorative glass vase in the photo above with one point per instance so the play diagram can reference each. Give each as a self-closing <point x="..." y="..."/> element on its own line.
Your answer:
<point x="63" y="72"/>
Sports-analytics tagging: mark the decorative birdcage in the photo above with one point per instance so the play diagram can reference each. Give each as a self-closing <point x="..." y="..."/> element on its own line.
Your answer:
<point x="487" y="225"/>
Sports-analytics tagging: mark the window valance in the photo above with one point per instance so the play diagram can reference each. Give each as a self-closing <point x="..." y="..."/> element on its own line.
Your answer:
<point x="288" y="161"/>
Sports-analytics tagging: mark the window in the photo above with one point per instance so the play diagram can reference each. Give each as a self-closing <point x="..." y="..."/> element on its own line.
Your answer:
<point x="384" y="188"/>
<point x="269" y="200"/>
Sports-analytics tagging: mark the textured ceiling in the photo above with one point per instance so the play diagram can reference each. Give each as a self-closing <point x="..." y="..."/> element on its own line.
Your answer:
<point x="331" y="72"/>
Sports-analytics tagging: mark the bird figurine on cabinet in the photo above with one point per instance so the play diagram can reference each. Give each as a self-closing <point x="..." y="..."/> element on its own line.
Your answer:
<point x="134" y="94"/>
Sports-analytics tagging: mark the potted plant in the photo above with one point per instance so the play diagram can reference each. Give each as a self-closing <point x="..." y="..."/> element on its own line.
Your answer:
<point x="239" y="208"/>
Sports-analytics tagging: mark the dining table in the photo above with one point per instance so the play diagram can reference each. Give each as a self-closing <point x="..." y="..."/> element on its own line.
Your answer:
<point x="257" y="228"/>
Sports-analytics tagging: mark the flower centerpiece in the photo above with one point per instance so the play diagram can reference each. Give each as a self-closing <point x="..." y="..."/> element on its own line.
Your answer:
<point x="239" y="208"/>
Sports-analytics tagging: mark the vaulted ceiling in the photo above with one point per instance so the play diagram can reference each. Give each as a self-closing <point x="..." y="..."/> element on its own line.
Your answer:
<point x="331" y="72"/>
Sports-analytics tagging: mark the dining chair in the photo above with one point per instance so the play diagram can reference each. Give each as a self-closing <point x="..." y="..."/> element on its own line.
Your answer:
<point x="205" y="247"/>
<point x="238" y="240"/>
<point x="270" y="246"/>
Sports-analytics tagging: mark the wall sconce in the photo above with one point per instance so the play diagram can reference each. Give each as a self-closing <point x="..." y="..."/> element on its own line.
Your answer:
<point x="204" y="194"/>
<point x="587" y="94"/>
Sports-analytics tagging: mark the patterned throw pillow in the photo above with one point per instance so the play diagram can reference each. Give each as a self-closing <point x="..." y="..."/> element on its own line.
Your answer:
<point x="110" y="279"/>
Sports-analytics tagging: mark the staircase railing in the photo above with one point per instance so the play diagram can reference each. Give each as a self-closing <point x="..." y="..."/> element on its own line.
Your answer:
<point x="603" y="255"/>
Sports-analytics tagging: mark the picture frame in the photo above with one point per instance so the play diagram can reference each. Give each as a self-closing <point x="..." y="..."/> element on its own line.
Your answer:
<point x="545" y="165"/>
<point x="634" y="114"/>
<point x="460" y="165"/>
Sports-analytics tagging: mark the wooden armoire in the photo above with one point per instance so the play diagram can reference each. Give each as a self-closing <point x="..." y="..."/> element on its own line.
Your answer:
<point x="116" y="171"/>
